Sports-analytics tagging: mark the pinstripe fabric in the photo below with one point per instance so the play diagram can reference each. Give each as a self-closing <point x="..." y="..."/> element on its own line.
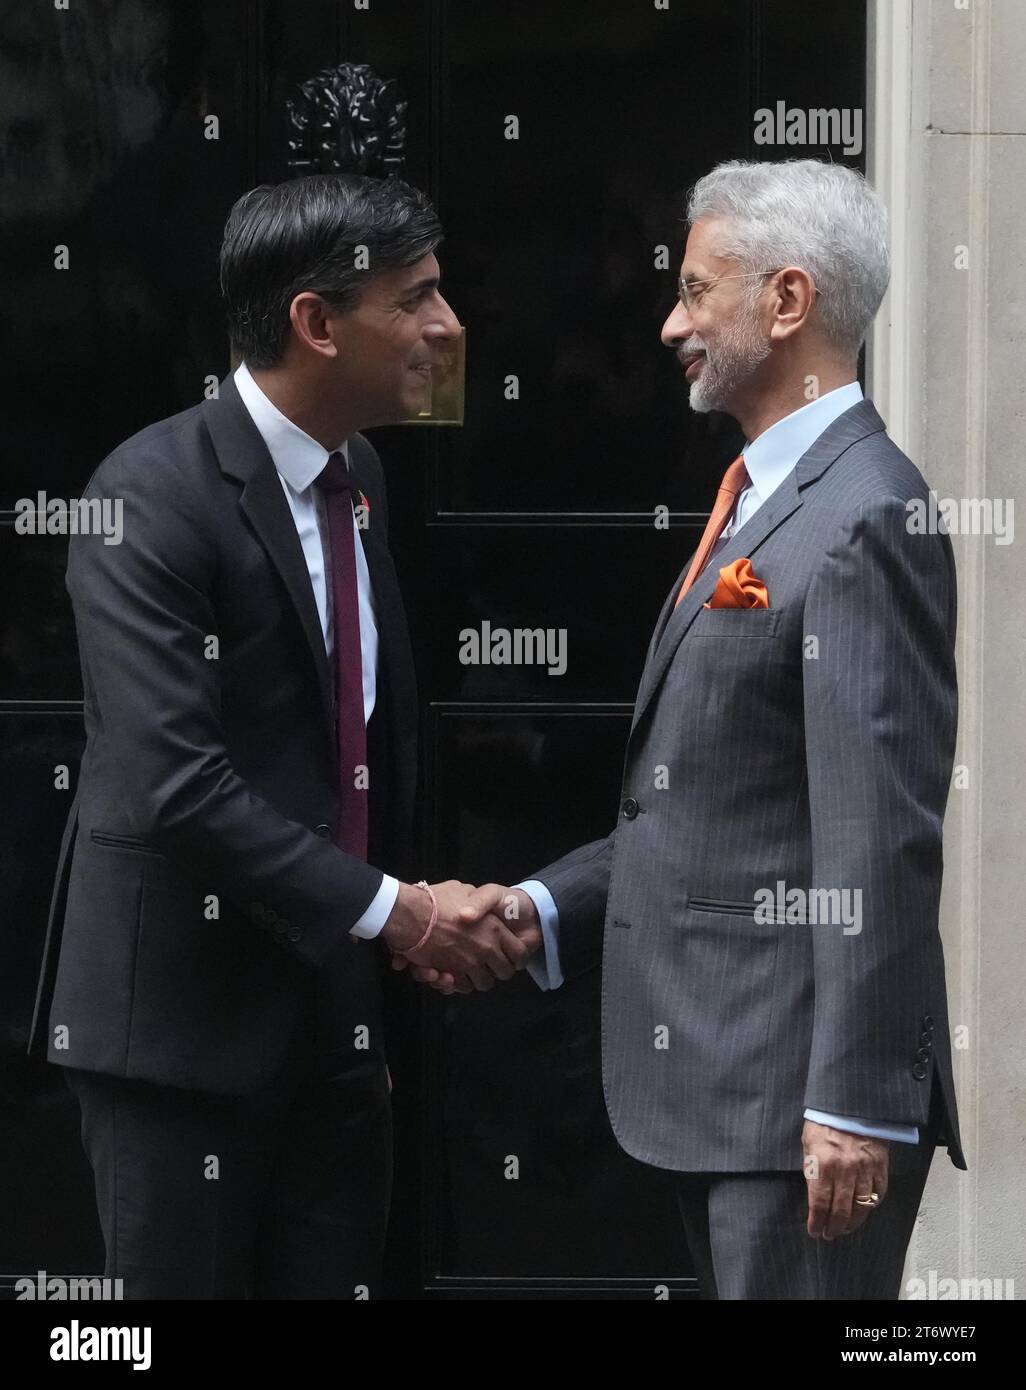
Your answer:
<point x="822" y="771"/>
<point x="747" y="1237"/>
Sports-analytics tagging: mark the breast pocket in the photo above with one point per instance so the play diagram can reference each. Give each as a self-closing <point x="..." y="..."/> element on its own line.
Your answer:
<point x="736" y="677"/>
<point x="116" y="840"/>
<point x="736" y="622"/>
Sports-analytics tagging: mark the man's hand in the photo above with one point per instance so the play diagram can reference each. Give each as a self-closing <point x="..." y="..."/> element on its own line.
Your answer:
<point x="473" y="948"/>
<point x="511" y="908"/>
<point x="839" y="1167"/>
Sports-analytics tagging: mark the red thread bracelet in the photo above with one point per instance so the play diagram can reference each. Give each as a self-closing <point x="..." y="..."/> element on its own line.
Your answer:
<point x="434" y="916"/>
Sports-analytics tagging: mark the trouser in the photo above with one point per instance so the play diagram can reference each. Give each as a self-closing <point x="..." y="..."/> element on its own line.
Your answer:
<point x="747" y="1237"/>
<point x="282" y="1193"/>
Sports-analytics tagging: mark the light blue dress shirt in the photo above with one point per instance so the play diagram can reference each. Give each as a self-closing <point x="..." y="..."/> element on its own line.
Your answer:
<point x="299" y="459"/>
<point x="768" y="459"/>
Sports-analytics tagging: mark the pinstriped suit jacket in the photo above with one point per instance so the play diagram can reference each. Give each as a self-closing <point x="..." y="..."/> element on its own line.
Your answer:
<point x="811" y="744"/>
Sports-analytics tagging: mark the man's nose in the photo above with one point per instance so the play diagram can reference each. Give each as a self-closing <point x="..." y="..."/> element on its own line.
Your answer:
<point x="444" y="324"/>
<point x="677" y="327"/>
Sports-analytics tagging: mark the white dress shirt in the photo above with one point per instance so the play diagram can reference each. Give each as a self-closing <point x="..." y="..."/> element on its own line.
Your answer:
<point x="768" y="459"/>
<point x="299" y="460"/>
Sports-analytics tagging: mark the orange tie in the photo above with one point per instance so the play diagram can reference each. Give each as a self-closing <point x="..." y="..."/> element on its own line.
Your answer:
<point x="735" y="480"/>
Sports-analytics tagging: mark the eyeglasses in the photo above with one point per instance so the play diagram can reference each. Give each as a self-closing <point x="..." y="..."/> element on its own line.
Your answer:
<point x="686" y="291"/>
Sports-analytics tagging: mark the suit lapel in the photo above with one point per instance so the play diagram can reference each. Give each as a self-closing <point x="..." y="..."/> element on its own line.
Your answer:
<point x="784" y="501"/>
<point x="861" y="420"/>
<point x="242" y="454"/>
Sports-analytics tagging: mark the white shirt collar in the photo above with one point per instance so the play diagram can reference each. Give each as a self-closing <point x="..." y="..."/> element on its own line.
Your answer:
<point x="297" y="457"/>
<point x="774" y="454"/>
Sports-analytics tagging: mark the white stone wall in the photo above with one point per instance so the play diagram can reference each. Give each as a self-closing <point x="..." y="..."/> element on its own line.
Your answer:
<point x="947" y="369"/>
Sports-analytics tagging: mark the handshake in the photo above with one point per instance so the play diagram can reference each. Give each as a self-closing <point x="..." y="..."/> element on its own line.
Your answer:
<point x="479" y="936"/>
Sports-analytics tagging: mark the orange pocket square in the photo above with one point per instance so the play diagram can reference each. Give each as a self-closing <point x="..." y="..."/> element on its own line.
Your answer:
<point x="737" y="587"/>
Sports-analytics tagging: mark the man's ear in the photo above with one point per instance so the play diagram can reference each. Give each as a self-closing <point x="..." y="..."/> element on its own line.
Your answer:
<point x="317" y="326"/>
<point x="793" y="300"/>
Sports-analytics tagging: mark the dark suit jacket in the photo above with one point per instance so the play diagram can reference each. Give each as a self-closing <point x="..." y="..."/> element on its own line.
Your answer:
<point x="211" y="776"/>
<point x="810" y="742"/>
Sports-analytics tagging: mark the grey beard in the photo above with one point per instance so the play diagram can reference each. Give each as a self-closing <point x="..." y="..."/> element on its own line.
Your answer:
<point x="738" y="354"/>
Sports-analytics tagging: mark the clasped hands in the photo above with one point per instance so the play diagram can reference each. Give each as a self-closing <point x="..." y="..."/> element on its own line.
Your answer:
<point x="482" y="935"/>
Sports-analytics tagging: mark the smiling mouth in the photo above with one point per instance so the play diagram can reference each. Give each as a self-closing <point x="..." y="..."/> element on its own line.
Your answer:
<point x="423" y="369"/>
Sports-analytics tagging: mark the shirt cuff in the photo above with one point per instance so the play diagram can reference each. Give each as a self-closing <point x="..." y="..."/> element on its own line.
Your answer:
<point x="380" y="910"/>
<point x="873" y="1129"/>
<point x="546" y="974"/>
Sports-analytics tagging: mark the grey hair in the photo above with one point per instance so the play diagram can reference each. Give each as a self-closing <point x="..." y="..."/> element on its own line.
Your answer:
<point x="822" y="217"/>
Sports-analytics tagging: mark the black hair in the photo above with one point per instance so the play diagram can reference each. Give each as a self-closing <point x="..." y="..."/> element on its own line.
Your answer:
<point x="281" y="239"/>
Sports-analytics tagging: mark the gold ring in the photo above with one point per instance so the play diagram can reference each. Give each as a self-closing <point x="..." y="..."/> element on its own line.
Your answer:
<point x="869" y="1201"/>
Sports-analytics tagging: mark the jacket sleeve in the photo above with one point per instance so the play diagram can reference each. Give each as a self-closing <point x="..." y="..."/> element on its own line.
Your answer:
<point x="143" y="612"/>
<point x="880" y="702"/>
<point x="579" y="884"/>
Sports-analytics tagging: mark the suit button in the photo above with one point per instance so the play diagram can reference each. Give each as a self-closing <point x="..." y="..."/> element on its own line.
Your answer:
<point x="256" y="911"/>
<point x="323" y="830"/>
<point x="927" y="1022"/>
<point x="295" y="933"/>
<point x="923" y="1055"/>
<point x="278" y="930"/>
<point x="630" y="808"/>
<point x="270" y="916"/>
<point x="919" y="1071"/>
<point x="926" y="1036"/>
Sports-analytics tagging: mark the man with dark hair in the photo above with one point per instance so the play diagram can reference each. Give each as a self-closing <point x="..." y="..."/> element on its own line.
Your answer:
<point x="212" y="972"/>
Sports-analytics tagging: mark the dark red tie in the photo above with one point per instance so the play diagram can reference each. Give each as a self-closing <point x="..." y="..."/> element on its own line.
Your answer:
<point x="339" y="489"/>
